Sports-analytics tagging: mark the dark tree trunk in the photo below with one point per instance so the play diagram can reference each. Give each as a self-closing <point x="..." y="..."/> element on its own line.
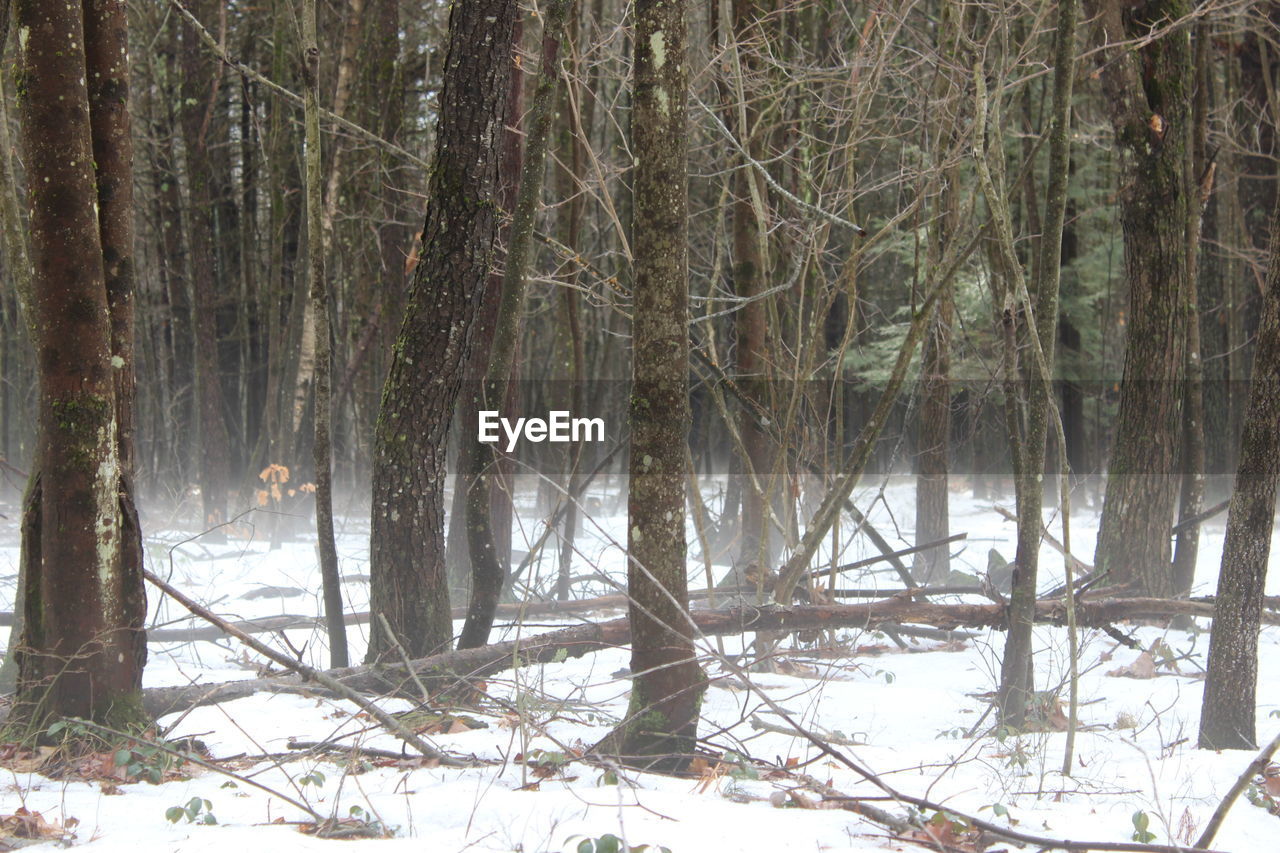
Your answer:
<point x="407" y="570"/>
<point x="83" y="647"/>
<point x="662" y="719"/>
<point x="485" y="473"/>
<point x="933" y="517"/>
<point x="490" y="555"/>
<point x="1229" y="708"/>
<point x="1148" y="91"/>
<point x="1192" y="457"/>
<point x="322" y="454"/>
<point x="199" y="97"/>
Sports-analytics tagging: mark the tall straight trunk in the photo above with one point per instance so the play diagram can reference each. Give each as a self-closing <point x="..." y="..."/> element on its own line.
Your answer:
<point x="1192" y="458"/>
<point x="1016" y="684"/>
<point x="199" y="96"/>
<point x="480" y="521"/>
<point x="83" y="646"/>
<point x="18" y="269"/>
<point x="1229" y="707"/>
<point x="311" y="349"/>
<point x="662" y="719"/>
<point x="407" y="572"/>
<point x="750" y="321"/>
<point x="570" y="223"/>
<point x="933" y="518"/>
<point x="488" y="572"/>
<point x="173" y="269"/>
<point x="319" y="295"/>
<point x="1147" y="91"/>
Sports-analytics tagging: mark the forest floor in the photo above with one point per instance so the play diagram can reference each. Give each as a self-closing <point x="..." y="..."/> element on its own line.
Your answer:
<point x="914" y="716"/>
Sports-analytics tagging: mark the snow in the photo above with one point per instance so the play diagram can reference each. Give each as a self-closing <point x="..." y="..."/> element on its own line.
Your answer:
<point x="906" y="715"/>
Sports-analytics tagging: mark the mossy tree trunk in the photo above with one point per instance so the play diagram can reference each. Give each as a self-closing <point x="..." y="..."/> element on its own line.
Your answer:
<point x="1148" y="93"/>
<point x="1229" y="708"/>
<point x="408" y="582"/>
<point x="83" y="645"/>
<point x="662" y="720"/>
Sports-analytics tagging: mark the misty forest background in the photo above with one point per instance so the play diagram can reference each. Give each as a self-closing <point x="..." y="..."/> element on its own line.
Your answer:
<point x="863" y="178"/>
<point x="859" y="113"/>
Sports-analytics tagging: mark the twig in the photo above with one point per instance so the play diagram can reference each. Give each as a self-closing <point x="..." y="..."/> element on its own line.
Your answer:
<point x="292" y="97"/>
<point x="905" y="552"/>
<point x="310" y="674"/>
<point x="404" y="658"/>
<point x="208" y="765"/>
<point x="1255" y="767"/>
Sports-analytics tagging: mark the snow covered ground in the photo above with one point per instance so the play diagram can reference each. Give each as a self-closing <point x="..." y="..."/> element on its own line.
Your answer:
<point x="907" y="715"/>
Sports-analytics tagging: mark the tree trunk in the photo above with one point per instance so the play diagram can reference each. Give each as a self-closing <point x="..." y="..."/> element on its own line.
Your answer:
<point x="199" y="95"/>
<point x="750" y="321"/>
<point x="1148" y="93"/>
<point x="1192" y="457"/>
<point x="1229" y="707"/>
<point x="1016" y="671"/>
<point x="83" y="647"/>
<point x="488" y="571"/>
<point x="18" y="268"/>
<point x="407" y="570"/>
<point x="662" y="720"/>
<point x="322" y="454"/>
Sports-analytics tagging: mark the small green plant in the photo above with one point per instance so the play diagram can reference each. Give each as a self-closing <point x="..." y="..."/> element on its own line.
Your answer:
<point x="610" y="843"/>
<point x="315" y="777"/>
<point x="739" y="768"/>
<point x="371" y="826"/>
<point x="1141" y="822"/>
<point x="197" y="810"/>
<point x="1001" y="810"/>
<point x="144" y="762"/>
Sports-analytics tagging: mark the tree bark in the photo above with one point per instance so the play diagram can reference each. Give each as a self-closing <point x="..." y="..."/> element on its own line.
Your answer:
<point x="488" y="572"/>
<point x="407" y="571"/>
<point x="667" y="685"/>
<point x="199" y="95"/>
<point x="83" y="646"/>
<point x="1229" y="709"/>
<point x="1192" y="457"/>
<point x="1148" y="92"/>
<point x="750" y="321"/>
<point x="322" y="455"/>
<point x="1016" y="682"/>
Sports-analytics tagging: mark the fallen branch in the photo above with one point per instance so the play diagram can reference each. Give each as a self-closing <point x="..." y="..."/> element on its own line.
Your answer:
<point x="444" y="670"/>
<point x="1199" y="517"/>
<point x="307" y="673"/>
<point x="1078" y="567"/>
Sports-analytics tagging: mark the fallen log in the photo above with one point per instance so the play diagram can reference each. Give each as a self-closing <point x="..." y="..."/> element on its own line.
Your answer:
<point x="444" y="670"/>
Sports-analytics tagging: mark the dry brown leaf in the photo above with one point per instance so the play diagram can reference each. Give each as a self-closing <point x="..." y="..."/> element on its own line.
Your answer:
<point x="1271" y="779"/>
<point x="1143" y="666"/>
<point x="28" y="824"/>
<point x="1057" y="718"/>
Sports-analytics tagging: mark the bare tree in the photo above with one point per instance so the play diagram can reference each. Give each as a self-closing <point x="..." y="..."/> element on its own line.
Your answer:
<point x="407" y="568"/>
<point x="1229" y="707"/>
<point x="1147" y="92"/>
<point x="83" y="645"/>
<point x="662" y="720"/>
